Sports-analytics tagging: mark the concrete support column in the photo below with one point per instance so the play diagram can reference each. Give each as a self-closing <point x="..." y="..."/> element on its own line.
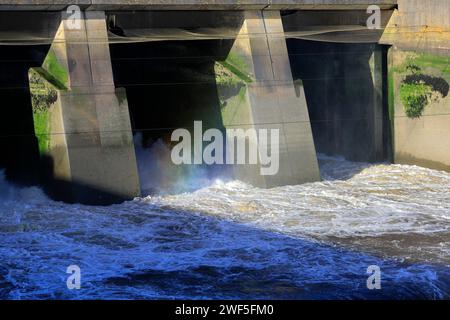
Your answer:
<point x="87" y="139"/>
<point x="263" y="96"/>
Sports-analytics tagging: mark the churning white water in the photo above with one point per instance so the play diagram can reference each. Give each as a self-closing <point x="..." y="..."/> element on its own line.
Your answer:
<point x="382" y="208"/>
<point x="232" y="240"/>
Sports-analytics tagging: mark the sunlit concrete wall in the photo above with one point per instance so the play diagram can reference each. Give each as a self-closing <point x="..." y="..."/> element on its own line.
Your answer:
<point x="264" y="97"/>
<point x="419" y="78"/>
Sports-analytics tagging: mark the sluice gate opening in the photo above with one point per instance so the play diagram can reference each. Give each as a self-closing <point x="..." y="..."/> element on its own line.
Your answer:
<point x="318" y="77"/>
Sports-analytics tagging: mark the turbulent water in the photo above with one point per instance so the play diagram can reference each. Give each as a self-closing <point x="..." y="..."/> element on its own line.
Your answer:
<point x="231" y="240"/>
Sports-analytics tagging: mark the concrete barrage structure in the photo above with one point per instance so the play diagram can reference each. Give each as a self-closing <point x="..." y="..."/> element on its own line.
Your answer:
<point x="267" y="62"/>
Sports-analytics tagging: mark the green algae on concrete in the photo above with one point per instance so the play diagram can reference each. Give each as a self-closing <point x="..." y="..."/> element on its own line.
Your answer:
<point x="42" y="131"/>
<point x="55" y="71"/>
<point x="43" y="96"/>
<point x="232" y="77"/>
<point x="419" y="84"/>
<point x="231" y="81"/>
<point x="424" y="80"/>
<point x="414" y="97"/>
<point x="237" y="66"/>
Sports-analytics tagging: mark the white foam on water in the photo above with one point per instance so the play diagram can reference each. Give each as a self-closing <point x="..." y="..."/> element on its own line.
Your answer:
<point x="355" y="201"/>
<point x="231" y="240"/>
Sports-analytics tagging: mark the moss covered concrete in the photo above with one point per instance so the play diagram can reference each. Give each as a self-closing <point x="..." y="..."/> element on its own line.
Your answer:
<point x="55" y="72"/>
<point x="420" y="139"/>
<point x="43" y="95"/>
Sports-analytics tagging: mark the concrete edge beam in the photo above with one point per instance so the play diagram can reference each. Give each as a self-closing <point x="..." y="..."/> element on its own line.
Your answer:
<point x="48" y="5"/>
<point x="329" y="5"/>
<point x="41" y="5"/>
<point x="179" y="5"/>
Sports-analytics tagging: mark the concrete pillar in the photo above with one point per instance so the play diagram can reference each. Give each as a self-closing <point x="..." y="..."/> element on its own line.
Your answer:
<point x="87" y="138"/>
<point x="260" y="94"/>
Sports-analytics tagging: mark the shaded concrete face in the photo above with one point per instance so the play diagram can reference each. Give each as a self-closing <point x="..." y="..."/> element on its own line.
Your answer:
<point x="346" y="97"/>
<point x="344" y="72"/>
<point x="169" y="84"/>
<point x="20" y="151"/>
<point x="18" y="144"/>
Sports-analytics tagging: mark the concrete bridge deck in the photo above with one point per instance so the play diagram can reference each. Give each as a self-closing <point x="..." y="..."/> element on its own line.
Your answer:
<point x="53" y="5"/>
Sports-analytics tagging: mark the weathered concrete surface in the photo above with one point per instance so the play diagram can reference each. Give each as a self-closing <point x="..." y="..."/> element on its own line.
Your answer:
<point x="266" y="98"/>
<point x="420" y="25"/>
<point x="179" y="5"/>
<point x="330" y="5"/>
<point x="419" y="32"/>
<point x="41" y="5"/>
<point x="91" y="143"/>
<point x="345" y="92"/>
<point x="144" y="20"/>
<point x="194" y="4"/>
<point x="349" y="26"/>
<point x="422" y="140"/>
